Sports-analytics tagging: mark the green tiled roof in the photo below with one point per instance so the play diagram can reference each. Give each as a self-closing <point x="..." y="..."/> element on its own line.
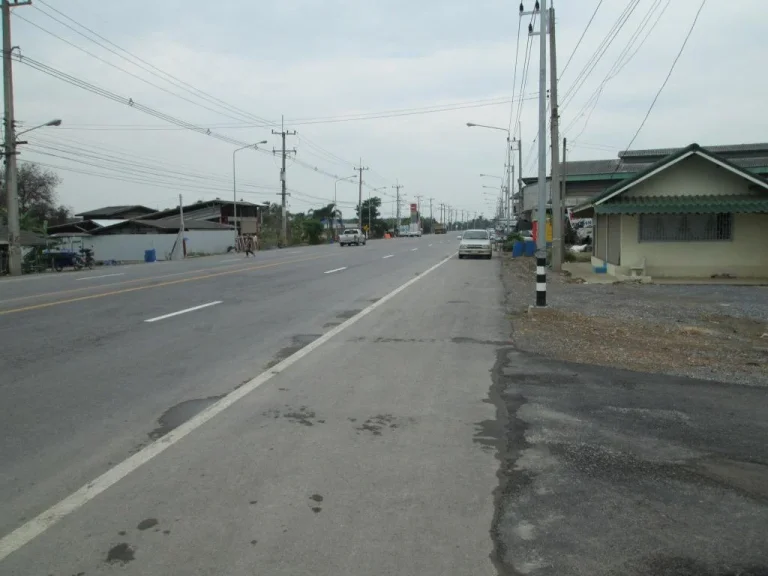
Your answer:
<point x="685" y="204"/>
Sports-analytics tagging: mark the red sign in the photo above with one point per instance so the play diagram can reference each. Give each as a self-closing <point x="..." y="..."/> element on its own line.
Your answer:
<point x="414" y="208"/>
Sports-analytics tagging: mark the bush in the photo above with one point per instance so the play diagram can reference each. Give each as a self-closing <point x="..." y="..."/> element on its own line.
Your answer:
<point x="312" y="231"/>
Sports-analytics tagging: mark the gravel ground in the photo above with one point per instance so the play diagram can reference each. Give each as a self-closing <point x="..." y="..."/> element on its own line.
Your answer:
<point x="710" y="332"/>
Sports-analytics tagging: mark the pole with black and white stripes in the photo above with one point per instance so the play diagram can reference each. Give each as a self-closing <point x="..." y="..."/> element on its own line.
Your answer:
<point x="540" y="8"/>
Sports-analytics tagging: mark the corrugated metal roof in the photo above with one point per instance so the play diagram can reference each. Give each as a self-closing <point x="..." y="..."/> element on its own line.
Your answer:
<point x="717" y="149"/>
<point x="104" y="223"/>
<point x="175" y="222"/>
<point x="110" y="210"/>
<point x="686" y="205"/>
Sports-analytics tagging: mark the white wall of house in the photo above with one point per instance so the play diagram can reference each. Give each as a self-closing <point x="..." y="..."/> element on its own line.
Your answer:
<point x="693" y="176"/>
<point x="131" y="247"/>
<point x="744" y="256"/>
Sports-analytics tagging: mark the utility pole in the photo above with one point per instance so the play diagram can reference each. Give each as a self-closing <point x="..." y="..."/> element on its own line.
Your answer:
<point x="520" y="177"/>
<point x="431" y="220"/>
<point x="11" y="174"/>
<point x="563" y="175"/>
<point x="283" y="194"/>
<point x="360" y="195"/>
<point x="418" y="209"/>
<point x="557" y="201"/>
<point x="181" y="228"/>
<point x="397" y="188"/>
<point x="541" y="236"/>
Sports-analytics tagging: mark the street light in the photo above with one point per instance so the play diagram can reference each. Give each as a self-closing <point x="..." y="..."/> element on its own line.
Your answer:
<point x="12" y="189"/>
<point x="234" y="185"/>
<point x="335" y="206"/>
<point x="369" y="204"/>
<point x="54" y="122"/>
<point x="510" y="175"/>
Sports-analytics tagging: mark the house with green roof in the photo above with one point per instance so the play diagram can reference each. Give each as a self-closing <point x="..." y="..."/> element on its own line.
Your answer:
<point x="691" y="212"/>
<point x="587" y="179"/>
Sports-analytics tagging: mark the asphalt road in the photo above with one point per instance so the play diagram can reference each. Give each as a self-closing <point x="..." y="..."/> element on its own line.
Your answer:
<point x="89" y="382"/>
<point x="618" y="473"/>
<point x="352" y="411"/>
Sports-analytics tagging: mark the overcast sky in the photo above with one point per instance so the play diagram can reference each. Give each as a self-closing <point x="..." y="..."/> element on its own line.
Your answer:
<point x="321" y="59"/>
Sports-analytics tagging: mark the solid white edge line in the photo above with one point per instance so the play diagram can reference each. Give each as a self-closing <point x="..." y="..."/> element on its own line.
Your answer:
<point x="335" y="270"/>
<point x="35" y="527"/>
<point x="172" y="314"/>
<point x="388" y="256"/>
<point x="102" y="276"/>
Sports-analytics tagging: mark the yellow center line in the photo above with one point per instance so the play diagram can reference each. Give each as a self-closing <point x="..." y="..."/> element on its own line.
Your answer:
<point x="119" y="283"/>
<point x="158" y="285"/>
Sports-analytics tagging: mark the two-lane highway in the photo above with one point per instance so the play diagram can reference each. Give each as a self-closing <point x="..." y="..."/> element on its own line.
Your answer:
<point x="94" y="366"/>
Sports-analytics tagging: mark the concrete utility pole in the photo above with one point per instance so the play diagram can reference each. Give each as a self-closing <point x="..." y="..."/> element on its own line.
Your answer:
<point x="181" y="229"/>
<point x="563" y="175"/>
<point x="555" y="189"/>
<point x="418" y="209"/>
<point x="283" y="193"/>
<point x="11" y="174"/>
<point x="541" y="235"/>
<point x="520" y="177"/>
<point x="432" y="220"/>
<point x="397" y="188"/>
<point x="360" y="195"/>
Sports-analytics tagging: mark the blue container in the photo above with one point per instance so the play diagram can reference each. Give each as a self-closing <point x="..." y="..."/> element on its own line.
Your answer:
<point x="518" y="249"/>
<point x="530" y="247"/>
<point x="150" y="255"/>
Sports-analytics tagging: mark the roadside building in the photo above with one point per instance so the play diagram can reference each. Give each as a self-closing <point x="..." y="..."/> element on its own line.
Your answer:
<point x="124" y="233"/>
<point x="693" y="212"/>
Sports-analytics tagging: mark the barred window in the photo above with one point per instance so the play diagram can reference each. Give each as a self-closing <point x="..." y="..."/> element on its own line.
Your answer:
<point x="685" y="227"/>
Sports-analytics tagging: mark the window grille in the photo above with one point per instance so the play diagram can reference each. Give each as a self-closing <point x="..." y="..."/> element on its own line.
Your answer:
<point x="685" y="227"/>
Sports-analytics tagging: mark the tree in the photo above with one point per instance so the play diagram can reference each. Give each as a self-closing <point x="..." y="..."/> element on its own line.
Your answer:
<point x="312" y="230"/>
<point x="378" y="226"/>
<point x="38" y="201"/>
<point x="329" y="213"/>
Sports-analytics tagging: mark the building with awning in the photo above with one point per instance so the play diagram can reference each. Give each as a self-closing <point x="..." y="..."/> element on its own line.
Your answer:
<point x="692" y="214"/>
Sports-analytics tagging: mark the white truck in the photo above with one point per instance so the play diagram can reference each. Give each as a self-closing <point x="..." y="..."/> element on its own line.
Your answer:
<point x="351" y="236"/>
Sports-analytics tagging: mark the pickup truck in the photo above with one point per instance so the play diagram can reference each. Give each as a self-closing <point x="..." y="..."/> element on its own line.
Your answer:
<point x="352" y="236"/>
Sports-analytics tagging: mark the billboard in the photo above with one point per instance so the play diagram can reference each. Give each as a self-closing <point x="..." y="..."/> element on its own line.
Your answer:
<point x="414" y="213"/>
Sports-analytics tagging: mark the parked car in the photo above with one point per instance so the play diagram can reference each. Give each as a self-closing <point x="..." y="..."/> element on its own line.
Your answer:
<point x="352" y="236"/>
<point x="476" y="243"/>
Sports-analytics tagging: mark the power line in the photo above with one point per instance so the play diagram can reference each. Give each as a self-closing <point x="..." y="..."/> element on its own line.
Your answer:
<point x="593" y="61"/>
<point x="176" y="82"/>
<point x="432" y="109"/>
<point x="669" y="74"/>
<point x="623" y="59"/>
<point x="514" y="73"/>
<point x="575" y="48"/>
<point x="154" y="70"/>
<point x="150" y="111"/>
<point x="116" y="67"/>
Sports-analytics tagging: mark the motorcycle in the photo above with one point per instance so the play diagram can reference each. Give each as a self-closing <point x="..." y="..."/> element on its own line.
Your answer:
<point x="87" y="259"/>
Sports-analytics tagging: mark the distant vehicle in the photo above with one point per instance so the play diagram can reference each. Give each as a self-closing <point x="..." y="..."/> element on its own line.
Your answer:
<point x="352" y="236"/>
<point x="476" y="243"/>
<point x="439" y="228"/>
<point x="414" y="230"/>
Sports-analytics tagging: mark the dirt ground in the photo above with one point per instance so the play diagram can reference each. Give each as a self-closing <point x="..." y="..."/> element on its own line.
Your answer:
<point x="712" y="332"/>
